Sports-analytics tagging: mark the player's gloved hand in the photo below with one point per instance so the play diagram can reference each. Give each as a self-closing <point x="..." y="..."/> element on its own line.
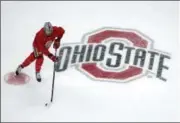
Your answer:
<point x="53" y="58"/>
<point x="56" y="45"/>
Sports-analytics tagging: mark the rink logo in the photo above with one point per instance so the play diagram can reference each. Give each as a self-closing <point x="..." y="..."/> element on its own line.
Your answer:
<point x="111" y="54"/>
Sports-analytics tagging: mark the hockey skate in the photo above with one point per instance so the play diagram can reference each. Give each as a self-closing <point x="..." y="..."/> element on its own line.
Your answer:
<point x="38" y="77"/>
<point x="18" y="70"/>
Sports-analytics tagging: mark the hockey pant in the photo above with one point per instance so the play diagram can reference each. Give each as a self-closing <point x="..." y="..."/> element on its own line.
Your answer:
<point x="34" y="56"/>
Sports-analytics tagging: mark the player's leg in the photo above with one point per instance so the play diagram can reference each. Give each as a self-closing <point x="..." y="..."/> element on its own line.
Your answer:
<point x="25" y="63"/>
<point x="38" y="66"/>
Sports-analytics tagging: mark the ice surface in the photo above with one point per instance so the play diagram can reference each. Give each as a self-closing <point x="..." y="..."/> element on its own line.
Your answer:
<point x="78" y="98"/>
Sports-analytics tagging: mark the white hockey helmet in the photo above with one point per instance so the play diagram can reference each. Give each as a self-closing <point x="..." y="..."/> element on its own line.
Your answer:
<point x="48" y="28"/>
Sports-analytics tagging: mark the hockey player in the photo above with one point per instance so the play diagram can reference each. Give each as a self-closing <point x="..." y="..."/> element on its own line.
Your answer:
<point x="44" y="38"/>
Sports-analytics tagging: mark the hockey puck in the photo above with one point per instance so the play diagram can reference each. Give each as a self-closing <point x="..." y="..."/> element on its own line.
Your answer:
<point x="48" y="104"/>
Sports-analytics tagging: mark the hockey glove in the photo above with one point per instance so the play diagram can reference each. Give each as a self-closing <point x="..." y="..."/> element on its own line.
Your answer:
<point x="53" y="58"/>
<point x="56" y="43"/>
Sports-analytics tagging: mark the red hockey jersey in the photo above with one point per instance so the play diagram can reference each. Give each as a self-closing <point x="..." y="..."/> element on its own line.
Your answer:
<point x="42" y="42"/>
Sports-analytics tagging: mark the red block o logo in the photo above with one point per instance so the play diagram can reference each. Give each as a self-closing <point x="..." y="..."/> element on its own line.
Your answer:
<point x="97" y="73"/>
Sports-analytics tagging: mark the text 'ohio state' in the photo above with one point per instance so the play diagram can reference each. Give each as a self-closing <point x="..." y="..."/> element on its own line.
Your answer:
<point x="113" y="55"/>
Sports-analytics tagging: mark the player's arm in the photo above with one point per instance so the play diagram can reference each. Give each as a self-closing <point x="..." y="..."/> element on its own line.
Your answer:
<point x="41" y="47"/>
<point x="60" y="33"/>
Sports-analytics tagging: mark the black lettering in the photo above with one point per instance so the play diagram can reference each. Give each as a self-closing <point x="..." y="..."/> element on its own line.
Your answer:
<point x="99" y="48"/>
<point x="76" y="52"/>
<point x="66" y="61"/>
<point x="162" y="66"/>
<point x="128" y="54"/>
<point x="89" y="52"/>
<point x="152" y="56"/>
<point x="140" y="56"/>
<point x="118" y="56"/>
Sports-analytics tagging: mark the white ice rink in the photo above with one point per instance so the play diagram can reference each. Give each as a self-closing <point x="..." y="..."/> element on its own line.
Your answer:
<point x="78" y="98"/>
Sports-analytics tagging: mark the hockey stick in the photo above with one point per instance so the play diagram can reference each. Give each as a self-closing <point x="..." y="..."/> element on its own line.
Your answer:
<point x="52" y="89"/>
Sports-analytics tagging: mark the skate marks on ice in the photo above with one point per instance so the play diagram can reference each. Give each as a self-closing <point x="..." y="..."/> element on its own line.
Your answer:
<point x="12" y="78"/>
